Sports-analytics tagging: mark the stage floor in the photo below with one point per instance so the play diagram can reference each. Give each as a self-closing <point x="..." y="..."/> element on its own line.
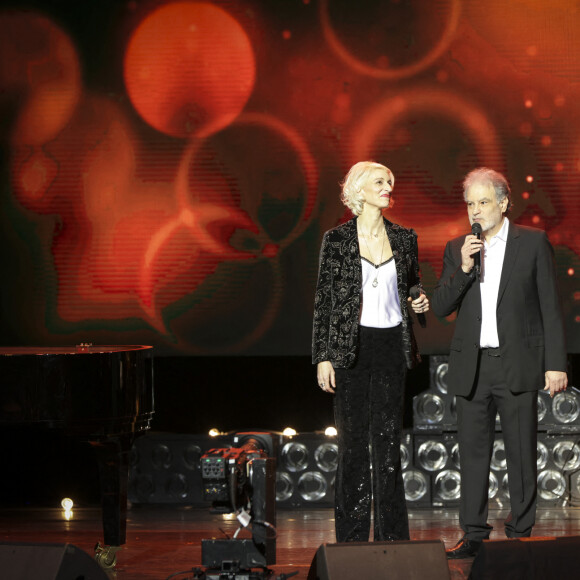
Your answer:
<point x="165" y="540"/>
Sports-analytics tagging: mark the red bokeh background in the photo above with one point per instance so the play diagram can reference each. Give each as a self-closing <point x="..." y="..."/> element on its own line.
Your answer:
<point x="169" y="167"/>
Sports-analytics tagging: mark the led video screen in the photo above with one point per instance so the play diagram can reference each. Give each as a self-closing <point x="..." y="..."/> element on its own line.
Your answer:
<point x="168" y="168"/>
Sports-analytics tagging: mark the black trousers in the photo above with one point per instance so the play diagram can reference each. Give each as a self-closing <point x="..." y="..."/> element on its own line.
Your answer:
<point x="476" y="431"/>
<point x="368" y="407"/>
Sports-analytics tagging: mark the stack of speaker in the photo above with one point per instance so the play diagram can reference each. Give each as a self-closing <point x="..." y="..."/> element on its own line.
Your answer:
<point x="165" y="467"/>
<point x="306" y="470"/>
<point x="435" y="467"/>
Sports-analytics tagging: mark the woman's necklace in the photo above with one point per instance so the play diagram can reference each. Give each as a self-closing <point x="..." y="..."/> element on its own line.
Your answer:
<point x="376" y="280"/>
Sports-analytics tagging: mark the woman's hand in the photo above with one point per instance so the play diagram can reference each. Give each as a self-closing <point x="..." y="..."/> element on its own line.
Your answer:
<point x="325" y="376"/>
<point x="420" y="305"/>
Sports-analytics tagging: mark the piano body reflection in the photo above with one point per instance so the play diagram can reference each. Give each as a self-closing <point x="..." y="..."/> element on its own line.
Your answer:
<point x="101" y="394"/>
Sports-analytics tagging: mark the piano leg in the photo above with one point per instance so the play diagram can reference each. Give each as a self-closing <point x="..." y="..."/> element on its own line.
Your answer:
<point x="112" y="457"/>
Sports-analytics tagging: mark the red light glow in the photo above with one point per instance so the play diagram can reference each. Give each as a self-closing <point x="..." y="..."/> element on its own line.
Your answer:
<point x="189" y="69"/>
<point x="39" y="68"/>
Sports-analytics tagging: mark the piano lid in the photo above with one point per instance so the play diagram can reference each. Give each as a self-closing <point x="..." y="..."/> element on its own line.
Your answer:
<point x="85" y="389"/>
<point x="78" y="349"/>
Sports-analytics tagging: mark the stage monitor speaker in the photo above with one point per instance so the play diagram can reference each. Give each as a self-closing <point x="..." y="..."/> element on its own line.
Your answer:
<point x="527" y="558"/>
<point x="24" y="561"/>
<point x="408" y="560"/>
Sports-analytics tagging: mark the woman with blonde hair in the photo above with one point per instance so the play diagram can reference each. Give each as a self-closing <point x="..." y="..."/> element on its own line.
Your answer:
<point x="362" y="344"/>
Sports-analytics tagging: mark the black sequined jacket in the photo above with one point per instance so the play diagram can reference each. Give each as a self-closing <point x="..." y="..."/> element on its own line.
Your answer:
<point x="337" y="302"/>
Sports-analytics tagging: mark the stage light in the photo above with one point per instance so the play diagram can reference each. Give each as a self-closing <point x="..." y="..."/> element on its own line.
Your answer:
<point x="551" y="485"/>
<point x="455" y="455"/>
<point x="416" y="487"/>
<point x="558" y="462"/>
<point x="67" y="505"/>
<point x="191" y="456"/>
<point x="557" y="454"/>
<point x="240" y="479"/>
<point x="326" y="456"/>
<point x="432" y="455"/>
<point x="566" y="455"/>
<point x="560" y="414"/>
<point x="435" y="409"/>
<point x="294" y="456"/>
<point x="574" y="486"/>
<point x="566" y="406"/>
<point x="161" y="456"/>
<point x="437" y="457"/>
<point x="406" y="448"/>
<point x="429" y="408"/>
<point x="447" y="486"/>
<point x="438" y="367"/>
<point x="331" y="432"/>
<point x="312" y="486"/>
<point x="405" y="457"/>
<point x="498" y="457"/>
<point x="542" y="408"/>
<point x="499" y="473"/>
<point x="443" y="485"/>
<point x="434" y="412"/>
<point x="306" y="471"/>
<point x="284" y="486"/>
<point x="176" y="486"/>
<point x="142" y="488"/>
<point x="542" y="456"/>
<point x="504" y="487"/>
<point x="441" y="376"/>
<point x="289" y="432"/>
<point x="493" y="485"/>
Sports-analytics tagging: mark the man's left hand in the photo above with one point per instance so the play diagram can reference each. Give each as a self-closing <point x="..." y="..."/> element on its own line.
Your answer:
<point x="556" y="381"/>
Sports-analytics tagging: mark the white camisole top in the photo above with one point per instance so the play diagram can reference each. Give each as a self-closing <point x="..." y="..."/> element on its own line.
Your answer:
<point x="380" y="299"/>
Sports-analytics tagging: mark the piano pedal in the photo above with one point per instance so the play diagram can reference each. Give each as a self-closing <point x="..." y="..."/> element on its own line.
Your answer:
<point x="106" y="556"/>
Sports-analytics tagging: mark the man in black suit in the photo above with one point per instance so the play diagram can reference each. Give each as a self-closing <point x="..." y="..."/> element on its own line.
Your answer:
<point x="508" y="343"/>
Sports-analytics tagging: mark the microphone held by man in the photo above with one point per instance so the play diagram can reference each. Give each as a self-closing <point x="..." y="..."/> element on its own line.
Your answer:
<point x="476" y="231"/>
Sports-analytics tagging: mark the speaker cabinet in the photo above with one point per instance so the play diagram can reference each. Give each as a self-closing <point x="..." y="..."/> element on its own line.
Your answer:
<point x="526" y="558"/>
<point x="390" y="560"/>
<point x="22" y="561"/>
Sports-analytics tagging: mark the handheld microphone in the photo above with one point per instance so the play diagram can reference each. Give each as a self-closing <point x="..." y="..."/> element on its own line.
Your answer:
<point x="415" y="292"/>
<point x="476" y="231"/>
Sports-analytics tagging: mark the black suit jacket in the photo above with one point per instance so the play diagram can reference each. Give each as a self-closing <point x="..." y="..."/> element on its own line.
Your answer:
<point x="337" y="302"/>
<point x="529" y="321"/>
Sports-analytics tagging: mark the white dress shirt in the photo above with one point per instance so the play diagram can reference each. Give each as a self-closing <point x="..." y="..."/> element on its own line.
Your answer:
<point x="491" y="267"/>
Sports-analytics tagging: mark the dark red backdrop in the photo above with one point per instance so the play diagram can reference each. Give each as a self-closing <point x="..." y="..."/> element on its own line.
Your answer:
<point x="169" y="167"/>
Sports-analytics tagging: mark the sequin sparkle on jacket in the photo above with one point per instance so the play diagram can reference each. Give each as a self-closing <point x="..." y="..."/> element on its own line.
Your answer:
<point x="337" y="302"/>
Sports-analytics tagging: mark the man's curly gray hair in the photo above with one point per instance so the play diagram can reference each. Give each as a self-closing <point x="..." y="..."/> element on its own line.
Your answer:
<point x="490" y="177"/>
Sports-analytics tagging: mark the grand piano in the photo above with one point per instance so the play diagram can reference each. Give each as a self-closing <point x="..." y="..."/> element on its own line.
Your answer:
<point x="100" y="394"/>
